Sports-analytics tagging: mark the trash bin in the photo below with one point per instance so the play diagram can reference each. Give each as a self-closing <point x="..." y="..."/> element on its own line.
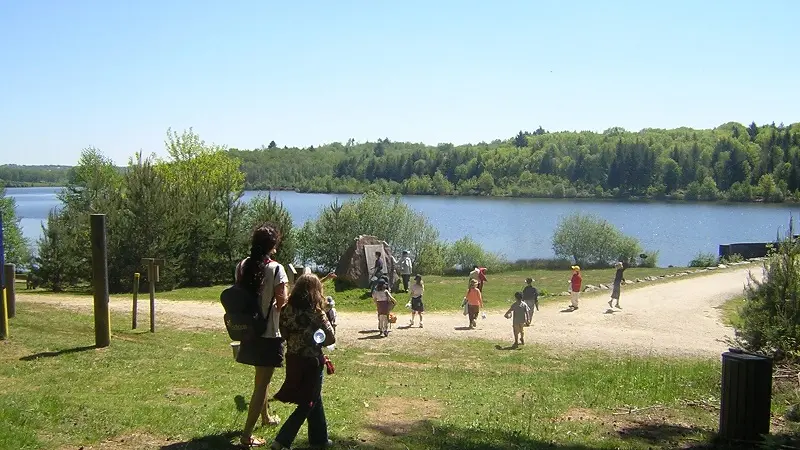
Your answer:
<point x="746" y="395"/>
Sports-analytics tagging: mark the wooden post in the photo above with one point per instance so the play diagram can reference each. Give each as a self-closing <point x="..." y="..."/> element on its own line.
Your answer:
<point x="102" y="314"/>
<point x="153" y="275"/>
<point x="135" y="300"/>
<point x="11" y="290"/>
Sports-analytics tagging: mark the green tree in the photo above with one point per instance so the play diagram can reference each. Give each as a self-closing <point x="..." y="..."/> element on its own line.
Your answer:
<point x="16" y="247"/>
<point x="272" y="145"/>
<point x="588" y="240"/>
<point x="521" y="140"/>
<point x="265" y="209"/>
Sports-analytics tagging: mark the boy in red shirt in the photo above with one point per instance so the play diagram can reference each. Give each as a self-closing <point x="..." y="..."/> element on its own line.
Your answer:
<point x="575" y="287"/>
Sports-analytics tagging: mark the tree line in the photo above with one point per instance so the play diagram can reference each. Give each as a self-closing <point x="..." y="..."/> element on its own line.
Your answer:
<point x="731" y="162"/>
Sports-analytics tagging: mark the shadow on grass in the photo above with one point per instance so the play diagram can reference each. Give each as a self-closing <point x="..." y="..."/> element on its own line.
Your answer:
<point x="374" y="336"/>
<point x="241" y="403"/>
<point x="222" y="441"/>
<point x="510" y="347"/>
<point x="368" y="331"/>
<point x="67" y="351"/>
<point x="462" y="328"/>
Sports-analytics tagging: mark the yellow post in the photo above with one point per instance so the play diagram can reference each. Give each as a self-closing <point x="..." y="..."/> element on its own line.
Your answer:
<point x="4" y="318"/>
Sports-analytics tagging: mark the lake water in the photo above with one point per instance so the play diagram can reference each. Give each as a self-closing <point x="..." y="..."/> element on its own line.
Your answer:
<point x="523" y="228"/>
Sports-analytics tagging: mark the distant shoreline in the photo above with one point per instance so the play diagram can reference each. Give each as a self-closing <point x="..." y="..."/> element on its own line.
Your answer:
<point x="509" y="197"/>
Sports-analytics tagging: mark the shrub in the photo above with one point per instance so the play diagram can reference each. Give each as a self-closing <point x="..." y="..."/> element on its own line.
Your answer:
<point x="265" y="209"/>
<point x="466" y="254"/>
<point x="730" y="259"/>
<point x="324" y="240"/>
<point x="703" y="259"/>
<point x="591" y="241"/>
<point x="770" y="317"/>
<point x="650" y="259"/>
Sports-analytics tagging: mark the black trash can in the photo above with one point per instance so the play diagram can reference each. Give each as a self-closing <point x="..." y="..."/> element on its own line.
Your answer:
<point x="746" y="396"/>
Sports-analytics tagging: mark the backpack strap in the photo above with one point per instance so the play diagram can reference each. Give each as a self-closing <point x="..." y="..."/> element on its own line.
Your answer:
<point x="272" y="300"/>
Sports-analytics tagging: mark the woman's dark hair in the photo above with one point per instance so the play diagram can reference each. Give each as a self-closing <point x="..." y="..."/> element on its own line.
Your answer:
<point x="265" y="238"/>
<point x="378" y="254"/>
<point x="307" y="293"/>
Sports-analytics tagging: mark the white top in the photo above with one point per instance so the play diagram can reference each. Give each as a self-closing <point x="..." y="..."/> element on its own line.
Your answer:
<point x="416" y="290"/>
<point x="380" y="296"/>
<point x="267" y="294"/>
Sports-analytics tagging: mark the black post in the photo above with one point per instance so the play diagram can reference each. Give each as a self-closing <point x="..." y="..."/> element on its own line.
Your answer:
<point x="11" y="291"/>
<point x="102" y="314"/>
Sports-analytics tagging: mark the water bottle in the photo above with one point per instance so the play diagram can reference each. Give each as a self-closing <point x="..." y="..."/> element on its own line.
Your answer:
<point x="319" y="336"/>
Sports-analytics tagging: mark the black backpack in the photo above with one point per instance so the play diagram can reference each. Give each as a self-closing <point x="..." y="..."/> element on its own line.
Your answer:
<point x="242" y="320"/>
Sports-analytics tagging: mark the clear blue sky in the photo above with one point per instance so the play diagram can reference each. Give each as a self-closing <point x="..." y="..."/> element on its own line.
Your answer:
<point x="117" y="74"/>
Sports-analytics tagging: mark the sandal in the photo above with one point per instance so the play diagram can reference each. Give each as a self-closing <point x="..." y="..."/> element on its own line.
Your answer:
<point x="253" y="442"/>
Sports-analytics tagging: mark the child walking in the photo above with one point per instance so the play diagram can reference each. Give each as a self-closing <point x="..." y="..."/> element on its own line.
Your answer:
<point x="474" y="302"/>
<point x="417" y="289"/>
<point x="530" y="295"/>
<point x="575" y="287"/>
<point x="617" y="284"/>
<point x="384" y="303"/>
<point x="330" y="312"/>
<point x="520" y="314"/>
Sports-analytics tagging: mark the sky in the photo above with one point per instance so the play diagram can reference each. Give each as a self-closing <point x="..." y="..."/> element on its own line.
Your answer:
<point x="116" y="75"/>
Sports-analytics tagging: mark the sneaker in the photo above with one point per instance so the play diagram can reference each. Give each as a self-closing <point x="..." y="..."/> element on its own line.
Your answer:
<point x="522" y="341"/>
<point x="617" y="306"/>
<point x="411" y="324"/>
<point x="327" y="444"/>
<point x="609" y="303"/>
<point x="420" y="324"/>
<point x="574" y="307"/>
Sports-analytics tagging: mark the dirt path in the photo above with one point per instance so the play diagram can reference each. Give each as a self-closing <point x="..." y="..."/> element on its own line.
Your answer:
<point x="678" y="318"/>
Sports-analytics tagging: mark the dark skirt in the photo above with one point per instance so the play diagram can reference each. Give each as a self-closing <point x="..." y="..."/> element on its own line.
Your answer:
<point x="303" y="380"/>
<point x="416" y="304"/>
<point x="261" y="352"/>
<point x="615" y="292"/>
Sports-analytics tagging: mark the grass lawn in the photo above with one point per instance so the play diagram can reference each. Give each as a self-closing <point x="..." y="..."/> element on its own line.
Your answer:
<point x="444" y="293"/>
<point x="182" y="390"/>
<point x="730" y="311"/>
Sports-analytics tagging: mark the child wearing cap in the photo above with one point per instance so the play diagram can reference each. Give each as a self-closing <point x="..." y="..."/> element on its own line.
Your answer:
<point x="417" y="289"/>
<point x="330" y="312"/>
<point x="530" y="295"/>
<point x="575" y="287"/>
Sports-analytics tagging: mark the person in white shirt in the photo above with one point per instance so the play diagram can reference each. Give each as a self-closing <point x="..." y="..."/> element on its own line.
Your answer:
<point x="405" y="267"/>
<point x="417" y="289"/>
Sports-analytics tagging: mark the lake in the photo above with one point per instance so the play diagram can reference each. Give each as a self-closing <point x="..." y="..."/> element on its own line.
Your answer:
<point x="523" y="228"/>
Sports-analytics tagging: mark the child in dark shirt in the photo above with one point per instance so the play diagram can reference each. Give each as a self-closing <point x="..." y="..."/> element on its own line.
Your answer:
<point x="520" y="315"/>
<point x="530" y="295"/>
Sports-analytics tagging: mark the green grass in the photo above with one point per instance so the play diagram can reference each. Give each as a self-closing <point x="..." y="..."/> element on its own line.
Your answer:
<point x="730" y="311"/>
<point x="180" y="390"/>
<point x="442" y="293"/>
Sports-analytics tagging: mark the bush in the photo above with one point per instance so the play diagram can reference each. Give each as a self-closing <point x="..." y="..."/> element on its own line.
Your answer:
<point x="650" y="259"/>
<point x="703" y="259"/>
<point x="324" y="240"/>
<point x="730" y="259"/>
<point x="265" y="209"/>
<point x="466" y="254"/>
<point x="591" y="241"/>
<point x="770" y="317"/>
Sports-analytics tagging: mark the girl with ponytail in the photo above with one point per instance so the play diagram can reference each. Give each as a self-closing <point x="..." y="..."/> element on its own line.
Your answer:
<point x="267" y="279"/>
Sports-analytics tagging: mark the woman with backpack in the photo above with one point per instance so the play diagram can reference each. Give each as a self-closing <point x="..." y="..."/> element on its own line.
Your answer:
<point x="265" y="279"/>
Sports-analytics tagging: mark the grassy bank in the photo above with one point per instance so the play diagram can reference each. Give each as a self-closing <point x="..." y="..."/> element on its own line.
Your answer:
<point x="444" y="293"/>
<point x="181" y="390"/>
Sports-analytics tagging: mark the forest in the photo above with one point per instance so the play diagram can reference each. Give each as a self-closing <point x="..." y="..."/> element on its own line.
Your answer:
<point x="732" y="162"/>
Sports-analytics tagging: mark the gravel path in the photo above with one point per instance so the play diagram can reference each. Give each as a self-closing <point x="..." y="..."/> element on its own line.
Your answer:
<point x="677" y="318"/>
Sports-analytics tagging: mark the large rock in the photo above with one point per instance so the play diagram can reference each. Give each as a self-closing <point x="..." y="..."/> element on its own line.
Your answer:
<point x="357" y="262"/>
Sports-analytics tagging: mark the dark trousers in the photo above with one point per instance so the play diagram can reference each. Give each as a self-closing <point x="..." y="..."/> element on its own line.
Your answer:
<point x="406" y="279"/>
<point x="317" y="425"/>
<point x="473" y="311"/>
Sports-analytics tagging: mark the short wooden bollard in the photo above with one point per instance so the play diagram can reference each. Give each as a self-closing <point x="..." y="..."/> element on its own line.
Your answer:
<point x="153" y="265"/>
<point x="134" y="323"/>
<point x="102" y="313"/>
<point x="11" y="290"/>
